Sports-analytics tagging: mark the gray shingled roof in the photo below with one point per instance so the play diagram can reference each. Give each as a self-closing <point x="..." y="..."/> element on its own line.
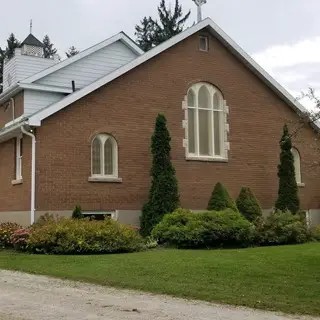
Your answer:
<point x="31" y="40"/>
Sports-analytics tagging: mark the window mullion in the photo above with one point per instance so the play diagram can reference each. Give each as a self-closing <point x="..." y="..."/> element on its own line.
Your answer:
<point x="212" y="144"/>
<point x="102" y="157"/>
<point x="196" y="126"/>
<point x="222" y="122"/>
<point x="115" y="160"/>
<point x="17" y="158"/>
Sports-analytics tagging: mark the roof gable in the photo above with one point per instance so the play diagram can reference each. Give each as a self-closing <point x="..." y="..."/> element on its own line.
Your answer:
<point x="215" y="30"/>
<point x="90" y="68"/>
<point x="63" y="64"/>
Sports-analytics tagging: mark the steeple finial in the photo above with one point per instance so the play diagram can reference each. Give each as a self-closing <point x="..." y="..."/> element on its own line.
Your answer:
<point x="199" y="4"/>
<point x="31" y="26"/>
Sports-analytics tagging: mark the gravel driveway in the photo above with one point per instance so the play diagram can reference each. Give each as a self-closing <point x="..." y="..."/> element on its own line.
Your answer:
<point x="30" y="297"/>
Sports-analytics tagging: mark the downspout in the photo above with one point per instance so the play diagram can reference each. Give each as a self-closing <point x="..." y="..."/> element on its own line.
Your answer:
<point x="13" y="107"/>
<point x="33" y="174"/>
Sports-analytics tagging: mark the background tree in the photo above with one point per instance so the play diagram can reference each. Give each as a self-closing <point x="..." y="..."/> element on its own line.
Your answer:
<point x="288" y="190"/>
<point x="145" y="34"/>
<point x="163" y="195"/>
<point x="48" y="48"/>
<point x="12" y="44"/>
<point x="151" y="32"/>
<point x="309" y="117"/>
<point x="7" y="53"/>
<point x="72" y="52"/>
<point x="220" y="199"/>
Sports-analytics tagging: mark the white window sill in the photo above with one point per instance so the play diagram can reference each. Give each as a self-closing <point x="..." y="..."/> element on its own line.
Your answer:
<point x="16" y="182"/>
<point x="210" y="159"/>
<point x="105" y="179"/>
<point x="301" y="185"/>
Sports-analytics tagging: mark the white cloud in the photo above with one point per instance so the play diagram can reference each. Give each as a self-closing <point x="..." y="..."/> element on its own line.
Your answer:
<point x="307" y="51"/>
<point x="285" y="63"/>
<point x="289" y="76"/>
<point x="306" y="102"/>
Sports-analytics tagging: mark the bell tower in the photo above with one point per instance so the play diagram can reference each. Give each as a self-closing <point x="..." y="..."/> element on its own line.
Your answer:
<point x="28" y="59"/>
<point x="31" y="46"/>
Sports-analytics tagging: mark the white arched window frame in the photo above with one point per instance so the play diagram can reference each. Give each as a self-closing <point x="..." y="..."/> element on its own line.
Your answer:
<point x="104" y="157"/>
<point x="297" y="166"/>
<point x="206" y="124"/>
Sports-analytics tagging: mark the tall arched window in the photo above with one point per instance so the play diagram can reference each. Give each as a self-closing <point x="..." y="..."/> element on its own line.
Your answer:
<point x="297" y="164"/>
<point x="104" y="157"/>
<point x="206" y="122"/>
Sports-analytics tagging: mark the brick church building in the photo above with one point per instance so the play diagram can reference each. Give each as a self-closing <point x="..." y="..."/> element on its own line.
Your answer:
<point x="79" y="131"/>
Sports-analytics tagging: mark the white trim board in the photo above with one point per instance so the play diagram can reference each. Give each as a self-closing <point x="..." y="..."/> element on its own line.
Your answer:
<point x="118" y="37"/>
<point x="30" y="86"/>
<point x="40" y="87"/>
<point x="215" y="30"/>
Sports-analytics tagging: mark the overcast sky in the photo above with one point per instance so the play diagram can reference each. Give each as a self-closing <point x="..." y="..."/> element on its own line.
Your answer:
<point x="282" y="35"/>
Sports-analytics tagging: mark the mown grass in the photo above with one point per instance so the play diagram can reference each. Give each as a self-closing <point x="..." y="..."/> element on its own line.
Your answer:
<point x="275" y="278"/>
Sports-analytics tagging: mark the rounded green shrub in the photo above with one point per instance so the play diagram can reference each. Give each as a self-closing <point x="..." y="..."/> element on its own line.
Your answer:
<point x="281" y="228"/>
<point x="209" y="229"/>
<point x="220" y="199"/>
<point x="7" y="229"/>
<point x="74" y="236"/>
<point x="248" y="205"/>
<point x="77" y="213"/>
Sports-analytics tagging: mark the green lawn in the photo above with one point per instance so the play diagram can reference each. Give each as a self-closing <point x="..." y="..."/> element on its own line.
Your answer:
<point x="275" y="278"/>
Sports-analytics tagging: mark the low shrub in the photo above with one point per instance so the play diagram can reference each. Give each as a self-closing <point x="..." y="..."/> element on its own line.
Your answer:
<point x="151" y="242"/>
<point x="280" y="228"/>
<point x="6" y="231"/>
<point x="316" y="233"/>
<point x="19" y="239"/>
<point x="185" y="229"/>
<point x="248" y="205"/>
<point x="220" y="199"/>
<point x="74" y="236"/>
<point x="44" y="220"/>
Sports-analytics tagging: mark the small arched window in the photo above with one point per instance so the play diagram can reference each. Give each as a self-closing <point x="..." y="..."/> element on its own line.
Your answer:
<point x="104" y="157"/>
<point x="297" y="164"/>
<point x="206" y="122"/>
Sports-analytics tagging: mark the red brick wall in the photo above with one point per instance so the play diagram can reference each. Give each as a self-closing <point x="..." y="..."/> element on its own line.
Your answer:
<point x="127" y="108"/>
<point x="14" y="197"/>
<point x="6" y="113"/>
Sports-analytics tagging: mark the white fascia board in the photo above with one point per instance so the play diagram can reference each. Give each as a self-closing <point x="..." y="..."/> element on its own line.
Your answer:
<point x="40" y="87"/>
<point x="131" y="44"/>
<point x="16" y="120"/>
<point x="215" y="30"/>
<point x="120" y="36"/>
